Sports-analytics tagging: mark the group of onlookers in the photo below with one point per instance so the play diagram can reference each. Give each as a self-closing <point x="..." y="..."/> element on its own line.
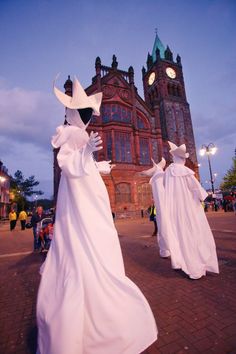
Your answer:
<point x="229" y="205"/>
<point x="224" y="204"/>
<point x="37" y="216"/>
<point x="22" y="217"/>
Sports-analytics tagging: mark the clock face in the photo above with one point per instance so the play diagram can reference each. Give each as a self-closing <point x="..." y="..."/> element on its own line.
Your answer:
<point x="151" y="78"/>
<point x="171" y="73"/>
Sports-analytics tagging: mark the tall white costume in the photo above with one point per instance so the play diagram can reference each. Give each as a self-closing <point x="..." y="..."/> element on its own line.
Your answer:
<point x="157" y="174"/>
<point x="86" y="304"/>
<point x="191" y="243"/>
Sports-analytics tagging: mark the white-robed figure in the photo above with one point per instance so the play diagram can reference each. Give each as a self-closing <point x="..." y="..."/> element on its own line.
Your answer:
<point x="157" y="174"/>
<point x="86" y="304"/>
<point x="191" y="241"/>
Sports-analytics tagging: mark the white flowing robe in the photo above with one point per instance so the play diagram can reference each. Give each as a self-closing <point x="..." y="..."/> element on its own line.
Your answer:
<point x="162" y="219"/>
<point x="191" y="241"/>
<point x="86" y="304"/>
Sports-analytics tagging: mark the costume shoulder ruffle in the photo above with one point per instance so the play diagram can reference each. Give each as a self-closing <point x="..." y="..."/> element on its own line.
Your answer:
<point x="180" y="170"/>
<point x="71" y="135"/>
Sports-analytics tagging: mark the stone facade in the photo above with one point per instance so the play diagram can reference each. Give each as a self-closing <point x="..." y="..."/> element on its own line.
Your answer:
<point x="134" y="130"/>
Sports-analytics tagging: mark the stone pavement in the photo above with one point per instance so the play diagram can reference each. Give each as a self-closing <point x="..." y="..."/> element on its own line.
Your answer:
<point x="193" y="316"/>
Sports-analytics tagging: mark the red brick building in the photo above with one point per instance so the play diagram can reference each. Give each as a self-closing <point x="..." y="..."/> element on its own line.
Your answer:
<point x="134" y="130"/>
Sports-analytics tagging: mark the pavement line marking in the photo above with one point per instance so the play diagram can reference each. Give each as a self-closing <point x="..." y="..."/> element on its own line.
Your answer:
<point x="14" y="254"/>
<point x="227" y="231"/>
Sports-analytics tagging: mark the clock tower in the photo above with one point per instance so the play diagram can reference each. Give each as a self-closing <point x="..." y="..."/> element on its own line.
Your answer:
<point x="164" y="93"/>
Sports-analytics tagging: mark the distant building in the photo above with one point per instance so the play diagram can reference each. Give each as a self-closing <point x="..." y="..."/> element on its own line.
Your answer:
<point x="134" y="130"/>
<point x="4" y="191"/>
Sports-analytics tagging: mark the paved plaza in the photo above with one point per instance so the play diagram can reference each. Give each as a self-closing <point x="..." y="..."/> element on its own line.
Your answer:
<point x="193" y="316"/>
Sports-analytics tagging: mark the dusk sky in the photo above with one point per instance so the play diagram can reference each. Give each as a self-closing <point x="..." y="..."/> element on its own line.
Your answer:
<point x="40" y="38"/>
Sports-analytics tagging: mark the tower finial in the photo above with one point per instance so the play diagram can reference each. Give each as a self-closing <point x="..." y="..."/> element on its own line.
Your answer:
<point x="156" y="31"/>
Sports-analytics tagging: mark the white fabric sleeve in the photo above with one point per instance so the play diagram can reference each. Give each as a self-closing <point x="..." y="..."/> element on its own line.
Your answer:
<point x="195" y="187"/>
<point x="159" y="174"/>
<point x="74" y="163"/>
<point x="104" y="167"/>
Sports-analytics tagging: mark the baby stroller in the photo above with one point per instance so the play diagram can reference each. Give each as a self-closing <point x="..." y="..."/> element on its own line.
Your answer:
<point x="45" y="233"/>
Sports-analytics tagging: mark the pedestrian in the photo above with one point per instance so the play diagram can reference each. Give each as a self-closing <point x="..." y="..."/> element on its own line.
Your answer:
<point x="215" y="205"/>
<point x="12" y="219"/>
<point x="23" y="218"/>
<point x="224" y="204"/>
<point x="37" y="217"/>
<point x="194" y="250"/>
<point x="234" y="205"/>
<point x="86" y="303"/>
<point x="152" y="217"/>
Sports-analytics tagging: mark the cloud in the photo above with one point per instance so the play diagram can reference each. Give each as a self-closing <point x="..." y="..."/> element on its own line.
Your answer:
<point x="27" y="121"/>
<point x="219" y="127"/>
<point x="28" y="116"/>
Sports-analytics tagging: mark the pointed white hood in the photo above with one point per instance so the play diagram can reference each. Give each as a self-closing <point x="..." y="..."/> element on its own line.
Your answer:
<point x="179" y="151"/>
<point x="73" y="118"/>
<point x="79" y="99"/>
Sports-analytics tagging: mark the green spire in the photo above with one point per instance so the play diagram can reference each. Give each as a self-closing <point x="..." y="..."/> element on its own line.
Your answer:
<point x="158" y="45"/>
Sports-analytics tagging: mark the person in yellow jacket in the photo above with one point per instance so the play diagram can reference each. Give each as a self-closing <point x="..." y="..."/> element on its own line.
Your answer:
<point x="152" y="217"/>
<point x="23" y="218"/>
<point x="13" y="219"/>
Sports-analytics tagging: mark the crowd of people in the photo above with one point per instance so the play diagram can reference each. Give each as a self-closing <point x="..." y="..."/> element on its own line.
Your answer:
<point x="40" y="222"/>
<point x="13" y="217"/>
<point x="228" y="204"/>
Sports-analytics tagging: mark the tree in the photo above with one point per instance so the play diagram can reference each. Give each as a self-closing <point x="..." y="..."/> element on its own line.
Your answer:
<point x="229" y="180"/>
<point x="22" y="188"/>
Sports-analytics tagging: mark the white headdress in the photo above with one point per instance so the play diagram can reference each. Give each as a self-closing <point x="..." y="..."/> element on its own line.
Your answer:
<point x="79" y="100"/>
<point x="179" y="151"/>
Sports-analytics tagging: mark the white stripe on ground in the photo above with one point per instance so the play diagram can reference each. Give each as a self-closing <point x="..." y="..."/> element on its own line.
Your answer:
<point x="15" y="254"/>
<point x="227" y="231"/>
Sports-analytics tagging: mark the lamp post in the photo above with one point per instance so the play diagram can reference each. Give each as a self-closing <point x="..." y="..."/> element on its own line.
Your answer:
<point x="208" y="150"/>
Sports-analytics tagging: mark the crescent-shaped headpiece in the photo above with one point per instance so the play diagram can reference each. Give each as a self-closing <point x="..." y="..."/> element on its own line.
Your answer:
<point x="178" y="150"/>
<point x="79" y="99"/>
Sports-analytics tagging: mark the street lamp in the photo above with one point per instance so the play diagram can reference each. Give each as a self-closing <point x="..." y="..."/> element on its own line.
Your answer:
<point x="35" y="200"/>
<point x="2" y="179"/>
<point x="208" y="150"/>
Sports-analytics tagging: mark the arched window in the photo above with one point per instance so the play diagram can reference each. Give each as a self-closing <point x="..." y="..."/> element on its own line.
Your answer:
<point x="181" y="125"/>
<point x="174" y="120"/>
<point x="141" y="123"/>
<point x="154" y="150"/>
<point x="144" y="195"/>
<point x="165" y="151"/>
<point x="179" y="91"/>
<point x="123" y="193"/>
<point x="171" y="90"/>
<point x="115" y="113"/>
<point x="123" y="147"/>
<point x="171" y="119"/>
<point x="108" y="145"/>
<point x="144" y="151"/>
<point x="157" y="93"/>
<point x="106" y="113"/>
